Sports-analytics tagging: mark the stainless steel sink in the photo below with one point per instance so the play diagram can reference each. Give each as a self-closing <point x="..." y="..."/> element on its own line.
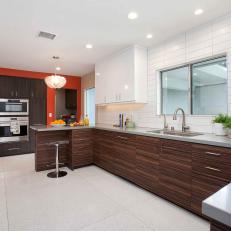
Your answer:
<point x="176" y="133"/>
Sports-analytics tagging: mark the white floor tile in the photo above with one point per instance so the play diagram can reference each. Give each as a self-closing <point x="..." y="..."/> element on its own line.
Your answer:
<point x="162" y="215"/>
<point x="3" y="205"/>
<point x="120" y="222"/>
<point x="86" y="199"/>
<point x="121" y="191"/>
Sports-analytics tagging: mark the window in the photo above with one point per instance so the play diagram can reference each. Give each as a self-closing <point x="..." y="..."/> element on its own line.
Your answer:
<point x="209" y="87"/>
<point x="175" y="90"/>
<point x="199" y="88"/>
<point x="90" y="104"/>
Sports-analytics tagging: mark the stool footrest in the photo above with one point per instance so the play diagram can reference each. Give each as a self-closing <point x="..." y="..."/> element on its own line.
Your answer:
<point x="57" y="174"/>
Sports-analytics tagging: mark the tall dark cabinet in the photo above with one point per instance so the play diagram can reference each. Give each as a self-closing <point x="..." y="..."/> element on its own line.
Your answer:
<point x="36" y="91"/>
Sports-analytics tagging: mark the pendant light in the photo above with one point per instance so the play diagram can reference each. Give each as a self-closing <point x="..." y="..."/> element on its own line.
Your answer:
<point x="55" y="81"/>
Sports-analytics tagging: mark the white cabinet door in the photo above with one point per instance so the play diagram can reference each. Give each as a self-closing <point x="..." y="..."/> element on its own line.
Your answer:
<point x="125" y="76"/>
<point x="100" y="94"/>
<point x="120" y="78"/>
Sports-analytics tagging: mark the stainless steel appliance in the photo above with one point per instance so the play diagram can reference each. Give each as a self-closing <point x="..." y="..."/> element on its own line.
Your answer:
<point x="14" y="107"/>
<point x="14" y="129"/>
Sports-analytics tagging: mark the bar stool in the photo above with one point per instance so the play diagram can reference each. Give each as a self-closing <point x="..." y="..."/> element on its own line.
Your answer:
<point x="57" y="173"/>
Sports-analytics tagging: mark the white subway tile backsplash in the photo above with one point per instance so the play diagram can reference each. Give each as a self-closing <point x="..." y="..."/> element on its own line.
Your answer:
<point x="211" y="39"/>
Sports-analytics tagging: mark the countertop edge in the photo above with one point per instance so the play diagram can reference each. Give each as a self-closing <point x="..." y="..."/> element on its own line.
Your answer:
<point x="211" y="206"/>
<point x="201" y="139"/>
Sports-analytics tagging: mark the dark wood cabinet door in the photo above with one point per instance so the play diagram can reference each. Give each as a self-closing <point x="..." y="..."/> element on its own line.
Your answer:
<point x="7" y="87"/>
<point x="106" y="155"/>
<point x="14" y="87"/>
<point x="21" y="87"/>
<point x="71" y="99"/>
<point x="125" y="155"/>
<point x="38" y="88"/>
<point x="175" y="172"/>
<point x="37" y="109"/>
<point x="46" y="153"/>
<point x="202" y="188"/>
<point x="147" y="163"/>
<point x="81" y="148"/>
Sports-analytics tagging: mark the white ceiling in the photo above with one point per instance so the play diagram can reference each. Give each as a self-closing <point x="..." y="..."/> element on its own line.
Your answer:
<point x="103" y="23"/>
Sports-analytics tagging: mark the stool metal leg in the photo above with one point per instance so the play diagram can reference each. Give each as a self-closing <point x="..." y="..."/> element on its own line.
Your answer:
<point x="57" y="173"/>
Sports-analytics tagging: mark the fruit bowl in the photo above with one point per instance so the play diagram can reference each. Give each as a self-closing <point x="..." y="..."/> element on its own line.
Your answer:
<point x="58" y="123"/>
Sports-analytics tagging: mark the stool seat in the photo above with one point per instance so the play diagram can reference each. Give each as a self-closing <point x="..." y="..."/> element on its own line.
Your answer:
<point x="57" y="173"/>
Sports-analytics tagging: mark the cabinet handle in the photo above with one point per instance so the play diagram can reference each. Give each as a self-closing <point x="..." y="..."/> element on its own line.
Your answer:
<point x="12" y="149"/>
<point x="16" y="93"/>
<point x="122" y="137"/>
<point x="213" y="169"/>
<point x="213" y="153"/>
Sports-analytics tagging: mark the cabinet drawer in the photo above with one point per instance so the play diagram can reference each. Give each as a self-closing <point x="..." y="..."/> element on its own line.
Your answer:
<point x="14" y="148"/>
<point x="222" y="155"/>
<point x="175" y="159"/>
<point x="178" y="145"/>
<point x="81" y="133"/>
<point x="212" y="161"/>
<point x="124" y="138"/>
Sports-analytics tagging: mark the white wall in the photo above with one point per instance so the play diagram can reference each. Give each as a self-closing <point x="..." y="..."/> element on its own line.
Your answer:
<point x="208" y="40"/>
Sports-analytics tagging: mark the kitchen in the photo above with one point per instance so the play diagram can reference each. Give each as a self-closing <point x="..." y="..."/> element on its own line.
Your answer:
<point x="135" y="138"/>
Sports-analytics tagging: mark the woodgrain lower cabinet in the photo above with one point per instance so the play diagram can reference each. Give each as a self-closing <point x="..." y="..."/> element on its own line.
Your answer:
<point x="175" y="172"/>
<point x="125" y="155"/>
<point x="202" y="188"/>
<point x="46" y="153"/>
<point x="181" y="172"/>
<point x="211" y="171"/>
<point x="147" y="163"/>
<point x="215" y="226"/>
<point x="14" y="148"/>
<point x="80" y="148"/>
<point x="104" y="145"/>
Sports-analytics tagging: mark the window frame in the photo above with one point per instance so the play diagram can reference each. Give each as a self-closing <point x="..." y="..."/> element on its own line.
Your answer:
<point x="190" y="79"/>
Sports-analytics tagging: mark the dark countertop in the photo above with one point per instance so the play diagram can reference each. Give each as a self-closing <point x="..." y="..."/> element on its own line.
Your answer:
<point x="209" y="139"/>
<point x="218" y="206"/>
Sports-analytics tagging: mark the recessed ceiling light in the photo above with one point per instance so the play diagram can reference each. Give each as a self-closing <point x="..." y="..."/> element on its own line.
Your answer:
<point x="198" y="12"/>
<point x="97" y="74"/>
<point x="132" y="15"/>
<point x="149" y="36"/>
<point x="89" y="46"/>
<point x="58" y="68"/>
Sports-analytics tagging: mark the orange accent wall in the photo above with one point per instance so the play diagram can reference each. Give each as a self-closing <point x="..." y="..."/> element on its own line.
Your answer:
<point x="73" y="82"/>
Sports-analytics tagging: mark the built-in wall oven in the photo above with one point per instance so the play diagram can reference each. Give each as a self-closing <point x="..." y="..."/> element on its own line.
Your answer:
<point x="14" y="129"/>
<point x="15" y="107"/>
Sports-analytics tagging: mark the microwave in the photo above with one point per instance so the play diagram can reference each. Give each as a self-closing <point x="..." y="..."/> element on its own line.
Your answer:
<point x="10" y="107"/>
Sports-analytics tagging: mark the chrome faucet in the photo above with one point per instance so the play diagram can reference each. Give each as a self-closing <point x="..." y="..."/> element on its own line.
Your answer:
<point x="184" y="127"/>
<point x="165" y="122"/>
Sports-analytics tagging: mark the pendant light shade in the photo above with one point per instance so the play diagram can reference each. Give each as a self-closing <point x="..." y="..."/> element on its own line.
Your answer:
<point x="55" y="81"/>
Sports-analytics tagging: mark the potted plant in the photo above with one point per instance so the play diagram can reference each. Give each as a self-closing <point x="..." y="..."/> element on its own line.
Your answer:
<point x="219" y="124"/>
<point x="228" y="126"/>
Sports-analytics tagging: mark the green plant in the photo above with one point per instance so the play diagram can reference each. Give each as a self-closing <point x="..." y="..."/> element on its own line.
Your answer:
<point x="221" y="119"/>
<point x="227" y="123"/>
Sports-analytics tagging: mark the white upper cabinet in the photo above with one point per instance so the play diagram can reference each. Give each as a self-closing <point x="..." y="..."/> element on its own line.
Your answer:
<point x="122" y="77"/>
